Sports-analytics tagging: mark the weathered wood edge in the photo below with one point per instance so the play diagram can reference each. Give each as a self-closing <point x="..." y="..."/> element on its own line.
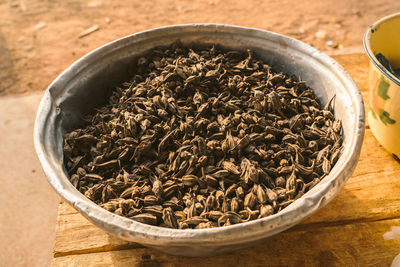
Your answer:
<point x="357" y="244"/>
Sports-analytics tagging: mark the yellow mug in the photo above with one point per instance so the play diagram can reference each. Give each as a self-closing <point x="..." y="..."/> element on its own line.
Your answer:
<point x="384" y="99"/>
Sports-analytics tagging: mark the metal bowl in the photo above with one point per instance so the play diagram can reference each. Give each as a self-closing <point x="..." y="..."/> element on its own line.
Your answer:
<point x="86" y="83"/>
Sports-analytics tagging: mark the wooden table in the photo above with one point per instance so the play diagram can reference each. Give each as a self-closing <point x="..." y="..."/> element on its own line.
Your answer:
<point x="349" y="231"/>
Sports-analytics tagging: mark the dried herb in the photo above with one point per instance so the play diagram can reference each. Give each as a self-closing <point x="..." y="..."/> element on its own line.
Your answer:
<point x="203" y="137"/>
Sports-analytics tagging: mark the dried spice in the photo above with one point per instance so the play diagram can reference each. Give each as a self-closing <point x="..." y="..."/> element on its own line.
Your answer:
<point x="203" y="137"/>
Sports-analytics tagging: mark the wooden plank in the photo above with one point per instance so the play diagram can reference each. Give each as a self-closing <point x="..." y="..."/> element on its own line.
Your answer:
<point x="358" y="67"/>
<point x="371" y="194"/>
<point x="360" y="244"/>
<point x="76" y="235"/>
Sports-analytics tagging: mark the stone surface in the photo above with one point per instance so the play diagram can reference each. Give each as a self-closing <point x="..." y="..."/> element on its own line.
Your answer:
<point x="28" y="205"/>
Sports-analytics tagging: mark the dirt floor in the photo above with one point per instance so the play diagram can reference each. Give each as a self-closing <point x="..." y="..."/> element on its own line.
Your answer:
<point x="40" y="38"/>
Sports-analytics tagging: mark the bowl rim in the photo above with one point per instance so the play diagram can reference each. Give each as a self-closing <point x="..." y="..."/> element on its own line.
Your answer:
<point x="367" y="47"/>
<point x="251" y="230"/>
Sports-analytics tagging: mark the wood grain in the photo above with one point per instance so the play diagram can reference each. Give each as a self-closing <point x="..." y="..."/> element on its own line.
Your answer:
<point x="358" y="244"/>
<point x="348" y="231"/>
<point x="76" y="235"/>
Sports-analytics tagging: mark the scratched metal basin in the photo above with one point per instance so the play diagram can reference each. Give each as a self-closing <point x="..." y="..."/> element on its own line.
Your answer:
<point x="86" y="84"/>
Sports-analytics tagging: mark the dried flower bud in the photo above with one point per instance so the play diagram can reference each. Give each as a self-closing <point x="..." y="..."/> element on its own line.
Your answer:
<point x="235" y="205"/>
<point x="272" y="196"/>
<point x="169" y="218"/>
<point x="261" y="196"/>
<point x="190" y="180"/>
<point x="157" y="188"/>
<point x="250" y="200"/>
<point x="240" y="192"/>
<point x="210" y="203"/>
<point x="266" y="210"/>
<point x="146" y="218"/>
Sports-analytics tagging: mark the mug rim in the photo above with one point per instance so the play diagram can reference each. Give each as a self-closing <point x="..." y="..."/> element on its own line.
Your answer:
<point x="368" y="49"/>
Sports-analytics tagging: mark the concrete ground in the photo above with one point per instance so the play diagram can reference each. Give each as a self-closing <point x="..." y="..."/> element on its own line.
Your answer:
<point x="28" y="205"/>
